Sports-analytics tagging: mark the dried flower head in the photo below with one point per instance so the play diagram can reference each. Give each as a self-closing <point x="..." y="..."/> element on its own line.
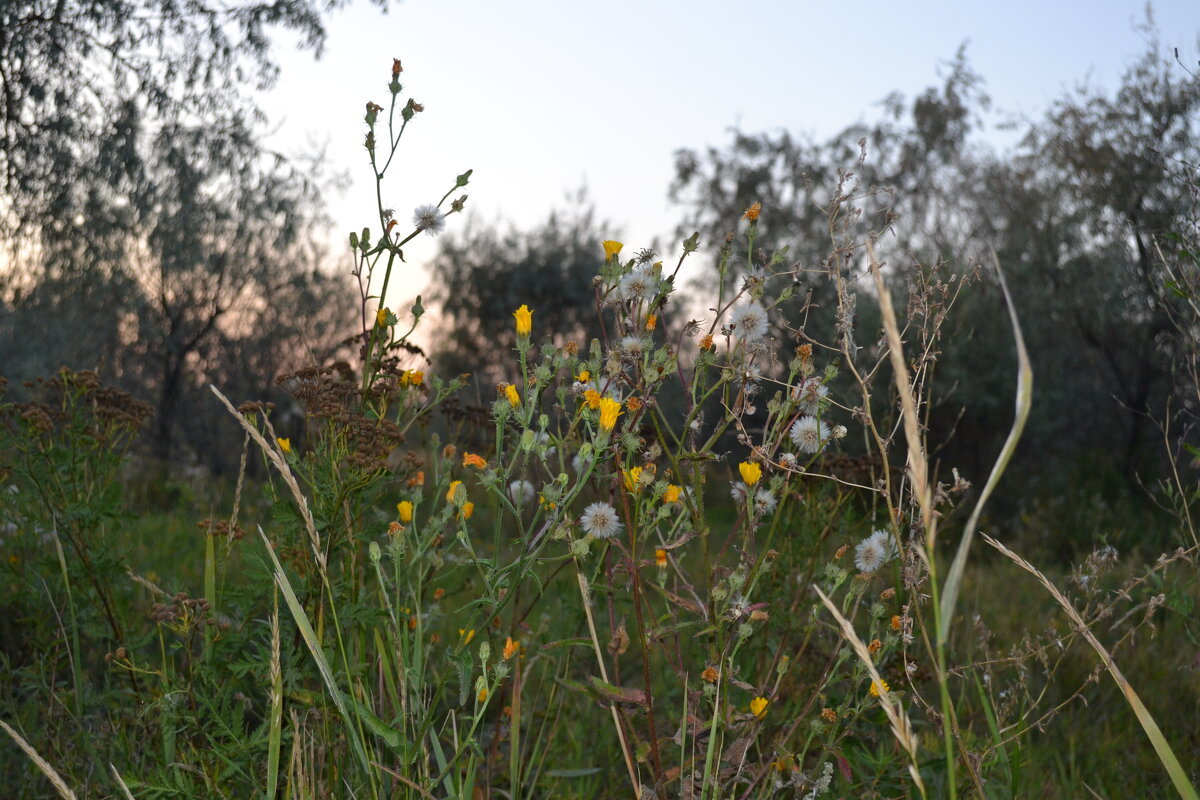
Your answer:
<point x="429" y="219"/>
<point x="600" y="521"/>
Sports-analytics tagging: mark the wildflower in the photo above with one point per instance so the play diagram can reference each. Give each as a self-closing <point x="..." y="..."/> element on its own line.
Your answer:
<point x="412" y="377"/>
<point x="468" y="509"/>
<point x="841" y="551"/>
<point x="829" y="715"/>
<point x="874" y="646"/>
<point x="750" y="321"/>
<point x="672" y="493"/>
<point x="584" y="376"/>
<point x="706" y="343"/>
<point x="511" y="648"/>
<point x="417" y="480"/>
<point x="651" y="322"/>
<point x="637" y="477"/>
<point x="394" y="528"/>
<point x="874" y="551"/>
<point x="633" y="346"/>
<point x="787" y="460"/>
<point x="285" y="444"/>
<point x="466" y="635"/>
<point x="427" y="218"/>
<point x="600" y="520"/>
<point x="758" y="707"/>
<point x="638" y="284"/>
<point x="405" y="509"/>
<point x="612" y="249"/>
<point x="609" y="411"/>
<point x="895" y="624"/>
<point x="449" y="452"/>
<point x="521" y="491"/>
<point x="764" y="501"/>
<point x="452" y="493"/>
<point x="738" y="492"/>
<point x="592" y="398"/>
<point x="809" y="434"/>
<point x="751" y="472"/>
<point x="660" y="558"/>
<point x="524" y="319"/>
<point x="809" y="394"/>
<point x="878" y="687"/>
<point x="381" y="317"/>
<point x="634" y="403"/>
<point x="710" y="675"/>
<point x="482" y="695"/>
<point x="510" y="391"/>
<point x="752" y="212"/>
<point x="474" y="460"/>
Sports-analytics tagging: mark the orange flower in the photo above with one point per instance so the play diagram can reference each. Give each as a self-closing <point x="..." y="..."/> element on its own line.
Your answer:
<point x="633" y="403"/>
<point x="660" y="558"/>
<point x="706" y="343"/>
<point x="511" y="648"/>
<point x="474" y="460"/>
<point x="874" y="646"/>
<point x="895" y="622"/>
<point x="752" y="212"/>
<point x="417" y="480"/>
<point x="482" y="695"/>
<point x="651" y="322"/>
<point x="439" y="593"/>
<point x="467" y="510"/>
<point x="710" y="675"/>
<point x="829" y="715"/>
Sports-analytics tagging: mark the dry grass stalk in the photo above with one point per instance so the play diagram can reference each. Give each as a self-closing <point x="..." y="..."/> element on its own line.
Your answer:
<point x="59" y="784"/>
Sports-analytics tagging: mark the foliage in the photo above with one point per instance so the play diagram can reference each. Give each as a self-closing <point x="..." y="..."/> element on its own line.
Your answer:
<point x="599" y="595"/>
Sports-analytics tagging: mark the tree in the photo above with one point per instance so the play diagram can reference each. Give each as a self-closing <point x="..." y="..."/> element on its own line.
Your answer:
<point x="481" y="276"/>
<point x="1073" y="213"/>
<point x="147" y="227"/>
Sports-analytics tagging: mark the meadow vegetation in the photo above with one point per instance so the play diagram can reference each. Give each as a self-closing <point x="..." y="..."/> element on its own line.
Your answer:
<point x="689" y="558"/>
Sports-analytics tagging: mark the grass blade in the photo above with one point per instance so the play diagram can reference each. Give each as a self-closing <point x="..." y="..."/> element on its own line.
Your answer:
<point x="1165" y="754"/>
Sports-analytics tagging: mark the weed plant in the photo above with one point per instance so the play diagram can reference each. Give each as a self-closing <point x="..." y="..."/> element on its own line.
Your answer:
<point x="691" y="558"/>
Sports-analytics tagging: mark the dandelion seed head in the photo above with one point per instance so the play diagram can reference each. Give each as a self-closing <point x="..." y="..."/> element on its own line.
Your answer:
<point x="427" y="218"/>
<point x="749" y="322"/>
<point x="809" y="435"/>
<point x="520" y="491"/>
<point x="600" y="521"/>
<point x="638" y="284"/>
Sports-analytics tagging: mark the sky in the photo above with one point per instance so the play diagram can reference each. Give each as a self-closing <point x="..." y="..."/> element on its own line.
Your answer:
<point x="543" y="97"/>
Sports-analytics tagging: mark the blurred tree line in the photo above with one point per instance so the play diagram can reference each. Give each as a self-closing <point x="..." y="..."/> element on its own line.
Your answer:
<point x="147" y="231"/>
<point x="1080" y="213"/>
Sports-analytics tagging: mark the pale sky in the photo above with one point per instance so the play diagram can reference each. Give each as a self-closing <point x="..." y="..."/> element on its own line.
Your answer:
<point x="540" y="97"/>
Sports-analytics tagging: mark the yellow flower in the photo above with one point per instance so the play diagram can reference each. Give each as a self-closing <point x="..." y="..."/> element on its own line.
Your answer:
<point x="633" y="477"/>
<point x="609" y="411"/>
<point x="876" y="688"/>
<point x="511" y="648"/>
<point x="751" y="472"/>
<point x="612" y="249"/>
<point x="758" y="707"/>
<point x="592" y="398"/>
<point x="405" y="509"/>
<point x="510" y="391"/>
<point x="412" y="377"/>
<point x="482" y="695"/>
<point x="671" y="495"/>
<point x="468" y="509"/>
<point x="752" y="212"/>
<point x="466" y="635"/>
<point x="660" y="558"/>
<point x="474" y="460"/>
<point x="524" y="320"/>
<point x="285" y="444"/>
<point x="381" y="317"/>
<point x="452" y="492"/>
<point x="584" y="375"/>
